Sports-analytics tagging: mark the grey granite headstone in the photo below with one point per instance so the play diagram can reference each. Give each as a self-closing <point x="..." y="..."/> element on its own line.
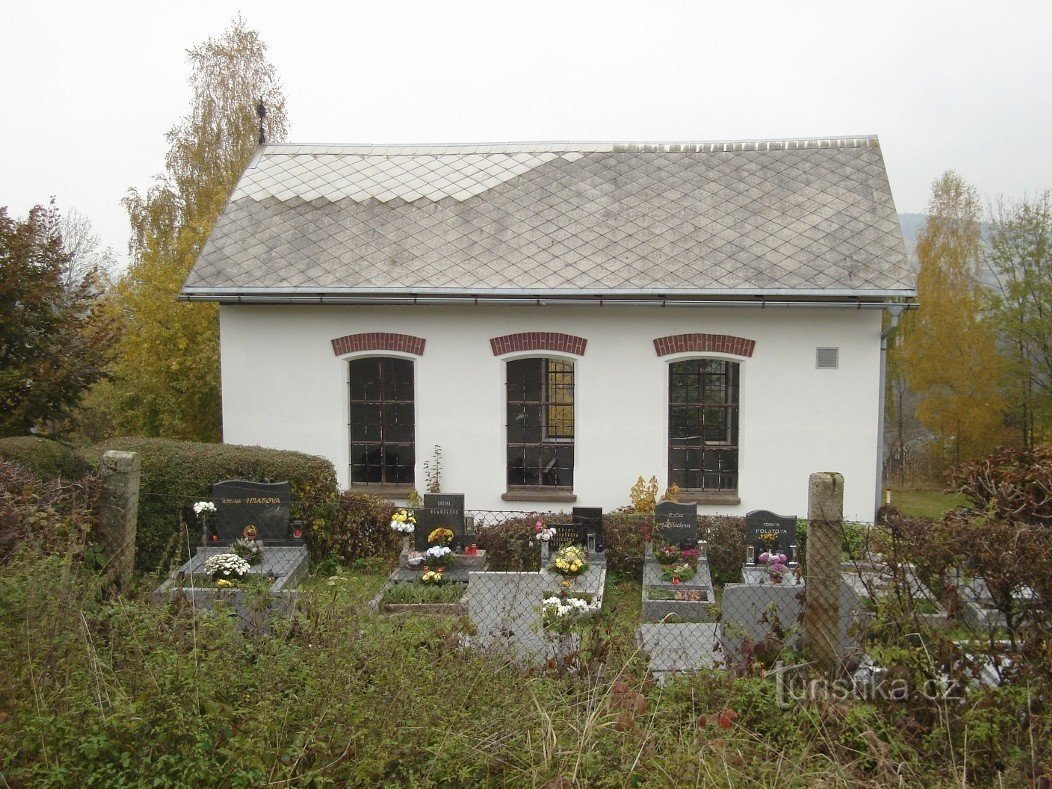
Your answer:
<point x="759" y="522"/>
<point x="241" y="504"/>
<point x="677" y="523"/>
<point x="441" y="510"/>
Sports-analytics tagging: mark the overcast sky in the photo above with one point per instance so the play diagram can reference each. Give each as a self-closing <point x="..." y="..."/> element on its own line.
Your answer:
<point x="89" y="89"/>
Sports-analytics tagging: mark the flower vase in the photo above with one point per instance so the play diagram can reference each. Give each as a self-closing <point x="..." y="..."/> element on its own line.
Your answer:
<point x="545" y="553"/>
<point x="405" y="547"/>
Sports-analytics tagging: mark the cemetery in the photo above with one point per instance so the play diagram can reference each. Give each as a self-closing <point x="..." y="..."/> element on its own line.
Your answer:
<point x="459" y="610"/>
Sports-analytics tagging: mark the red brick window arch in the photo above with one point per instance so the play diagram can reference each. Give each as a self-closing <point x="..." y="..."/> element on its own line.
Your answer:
<point x="538" y="341"/>
<point x="378" y="341"/>
<point x="704" y="343"/>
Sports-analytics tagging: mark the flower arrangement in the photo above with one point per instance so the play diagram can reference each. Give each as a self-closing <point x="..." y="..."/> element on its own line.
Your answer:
<point x="668" y="554"/>
<point x="777" y="565"/>
<point x="432" y="577"/>
<point x="440" y="536"/>
<point x="570" y="560"/>
<point x="403" y="522"/>
<point x="438" y="555"/>
<point x="249" y="550"/>
<point x="678" y="572"/>
<point x="203" y="506"/>
<point x="226" y="566"/>
<point x="689" y="555"/>
<point x="541" y="533"/>
<point x="560" y="614"/>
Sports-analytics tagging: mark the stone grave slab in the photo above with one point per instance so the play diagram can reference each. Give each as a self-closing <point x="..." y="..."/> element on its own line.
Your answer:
<point x="867" y="579"/>
<point x="745" y="607"/>
<point x="678" y="648"/>
<point x="686" y="609"/>
<point x="243" y="505"/>
<point x="759" y="522"/>
<point x="285" y="565"/>
<point x="505" y="609"/>
<point x="441" y="510"/>
<point x="677" y="523"/>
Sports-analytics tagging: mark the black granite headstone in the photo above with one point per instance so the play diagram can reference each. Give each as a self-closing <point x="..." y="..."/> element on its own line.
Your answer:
<point x="677" y="523"/>
<point x="567" y="534"/>
<point x="761" y="523"/>
<point x="242" y="505"/>
<point x="591" y="518"/>
<point x="440" y="510"/>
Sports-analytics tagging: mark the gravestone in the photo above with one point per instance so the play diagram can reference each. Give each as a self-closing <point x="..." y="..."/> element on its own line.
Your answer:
<point x="760" y="522"/>
<point x="677" y="523"/>
<point x="241" y="504"/>
<point x="591" y="519"/>
<point x="441" y="510"/>
<point x="567" y="534"/>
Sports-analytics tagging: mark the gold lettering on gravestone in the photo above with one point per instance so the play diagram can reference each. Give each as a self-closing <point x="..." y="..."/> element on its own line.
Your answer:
<point x="267" y="500"/>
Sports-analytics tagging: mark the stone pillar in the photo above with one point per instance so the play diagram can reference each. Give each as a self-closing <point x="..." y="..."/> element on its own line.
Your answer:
<point x="120" y="472"/>
<point x="825" y="523"/>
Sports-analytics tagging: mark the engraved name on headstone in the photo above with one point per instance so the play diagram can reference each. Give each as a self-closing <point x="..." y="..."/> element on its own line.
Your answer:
<point x="441" y="510"/>
<point x="263" y="506"/>
<point x="761" y="526"/>
<point x="677" y="523"/>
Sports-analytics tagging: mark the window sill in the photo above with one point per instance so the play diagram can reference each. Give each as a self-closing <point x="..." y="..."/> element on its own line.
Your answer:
<point x="539" y="494"/>
<point x="708" y="497"/>
<point x="382" y="489"/>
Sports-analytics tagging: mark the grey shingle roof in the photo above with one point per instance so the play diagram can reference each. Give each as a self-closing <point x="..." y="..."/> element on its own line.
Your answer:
<point x="791" y="217"/>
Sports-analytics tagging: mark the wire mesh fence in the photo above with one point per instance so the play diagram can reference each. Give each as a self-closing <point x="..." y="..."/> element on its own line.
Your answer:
<point x="854" y="601"/>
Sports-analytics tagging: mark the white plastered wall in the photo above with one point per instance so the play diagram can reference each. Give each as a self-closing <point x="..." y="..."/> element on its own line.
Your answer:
<point x="283" y="387"/>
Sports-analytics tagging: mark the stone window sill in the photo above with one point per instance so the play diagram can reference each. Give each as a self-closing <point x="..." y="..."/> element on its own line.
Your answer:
<point x="708" y="497"/>
<point x="383" y="490"/>
<point x="539" y="494"/>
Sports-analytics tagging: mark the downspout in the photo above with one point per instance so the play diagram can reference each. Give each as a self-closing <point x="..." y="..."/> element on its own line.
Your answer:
<point x="894" y="312"/>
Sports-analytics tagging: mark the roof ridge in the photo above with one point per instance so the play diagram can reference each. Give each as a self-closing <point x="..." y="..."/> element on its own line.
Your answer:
<point x="697" y="146"/>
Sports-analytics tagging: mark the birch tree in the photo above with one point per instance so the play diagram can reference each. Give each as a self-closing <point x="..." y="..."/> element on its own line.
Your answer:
<point x="166" y="379"/>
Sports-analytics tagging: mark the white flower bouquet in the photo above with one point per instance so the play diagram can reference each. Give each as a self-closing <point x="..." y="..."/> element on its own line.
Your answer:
<point x="560" y="614"/>
<point x="226" y="566"/>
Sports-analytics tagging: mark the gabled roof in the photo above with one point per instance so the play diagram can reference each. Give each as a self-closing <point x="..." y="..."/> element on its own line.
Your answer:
<point x="789" y="218"/>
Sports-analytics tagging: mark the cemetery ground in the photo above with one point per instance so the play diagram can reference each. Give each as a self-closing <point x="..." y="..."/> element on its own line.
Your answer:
<point x="114" y="684"/>
<point x="125" y="691"/>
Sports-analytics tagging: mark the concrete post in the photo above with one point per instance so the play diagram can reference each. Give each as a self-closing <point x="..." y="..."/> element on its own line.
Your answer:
<point x="825" y="523"/>
<point x="121" y="472"/>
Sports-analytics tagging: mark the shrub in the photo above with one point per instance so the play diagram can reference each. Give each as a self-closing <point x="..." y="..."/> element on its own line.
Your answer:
<point x="624" y="537"/>
<point x="511" y="546"/>
<point x="1013" y="485"/>
<point x="45" y="458"/>
<point x="355" y="526"/>
<point x="54" y="516"/>
<point x="726" y="546"/>
<point x="177" y="473"/>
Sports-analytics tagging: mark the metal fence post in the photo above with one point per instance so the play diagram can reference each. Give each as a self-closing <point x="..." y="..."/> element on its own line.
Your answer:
<point x="825" y="521"/>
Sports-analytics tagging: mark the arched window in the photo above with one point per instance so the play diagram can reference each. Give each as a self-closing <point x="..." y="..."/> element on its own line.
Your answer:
<point x="703" y="425"/>
<point x="382" y="421"/>
<point x="540" y="423"/>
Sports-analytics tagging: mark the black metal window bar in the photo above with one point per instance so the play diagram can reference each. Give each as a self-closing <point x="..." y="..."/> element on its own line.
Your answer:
<point x="382" y="421"/>
<point x="703" y="424"/>
<point x="540" y="414"/>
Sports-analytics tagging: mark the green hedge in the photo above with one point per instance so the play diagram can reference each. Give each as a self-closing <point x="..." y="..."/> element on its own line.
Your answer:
<point x="511" y="545"/>
<point x="355" y="526"/>
<point x="175" y="474"/>
<point x="45" y="458"/>
<point x="725" y="536"/>
<point x="623" y="536"/>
